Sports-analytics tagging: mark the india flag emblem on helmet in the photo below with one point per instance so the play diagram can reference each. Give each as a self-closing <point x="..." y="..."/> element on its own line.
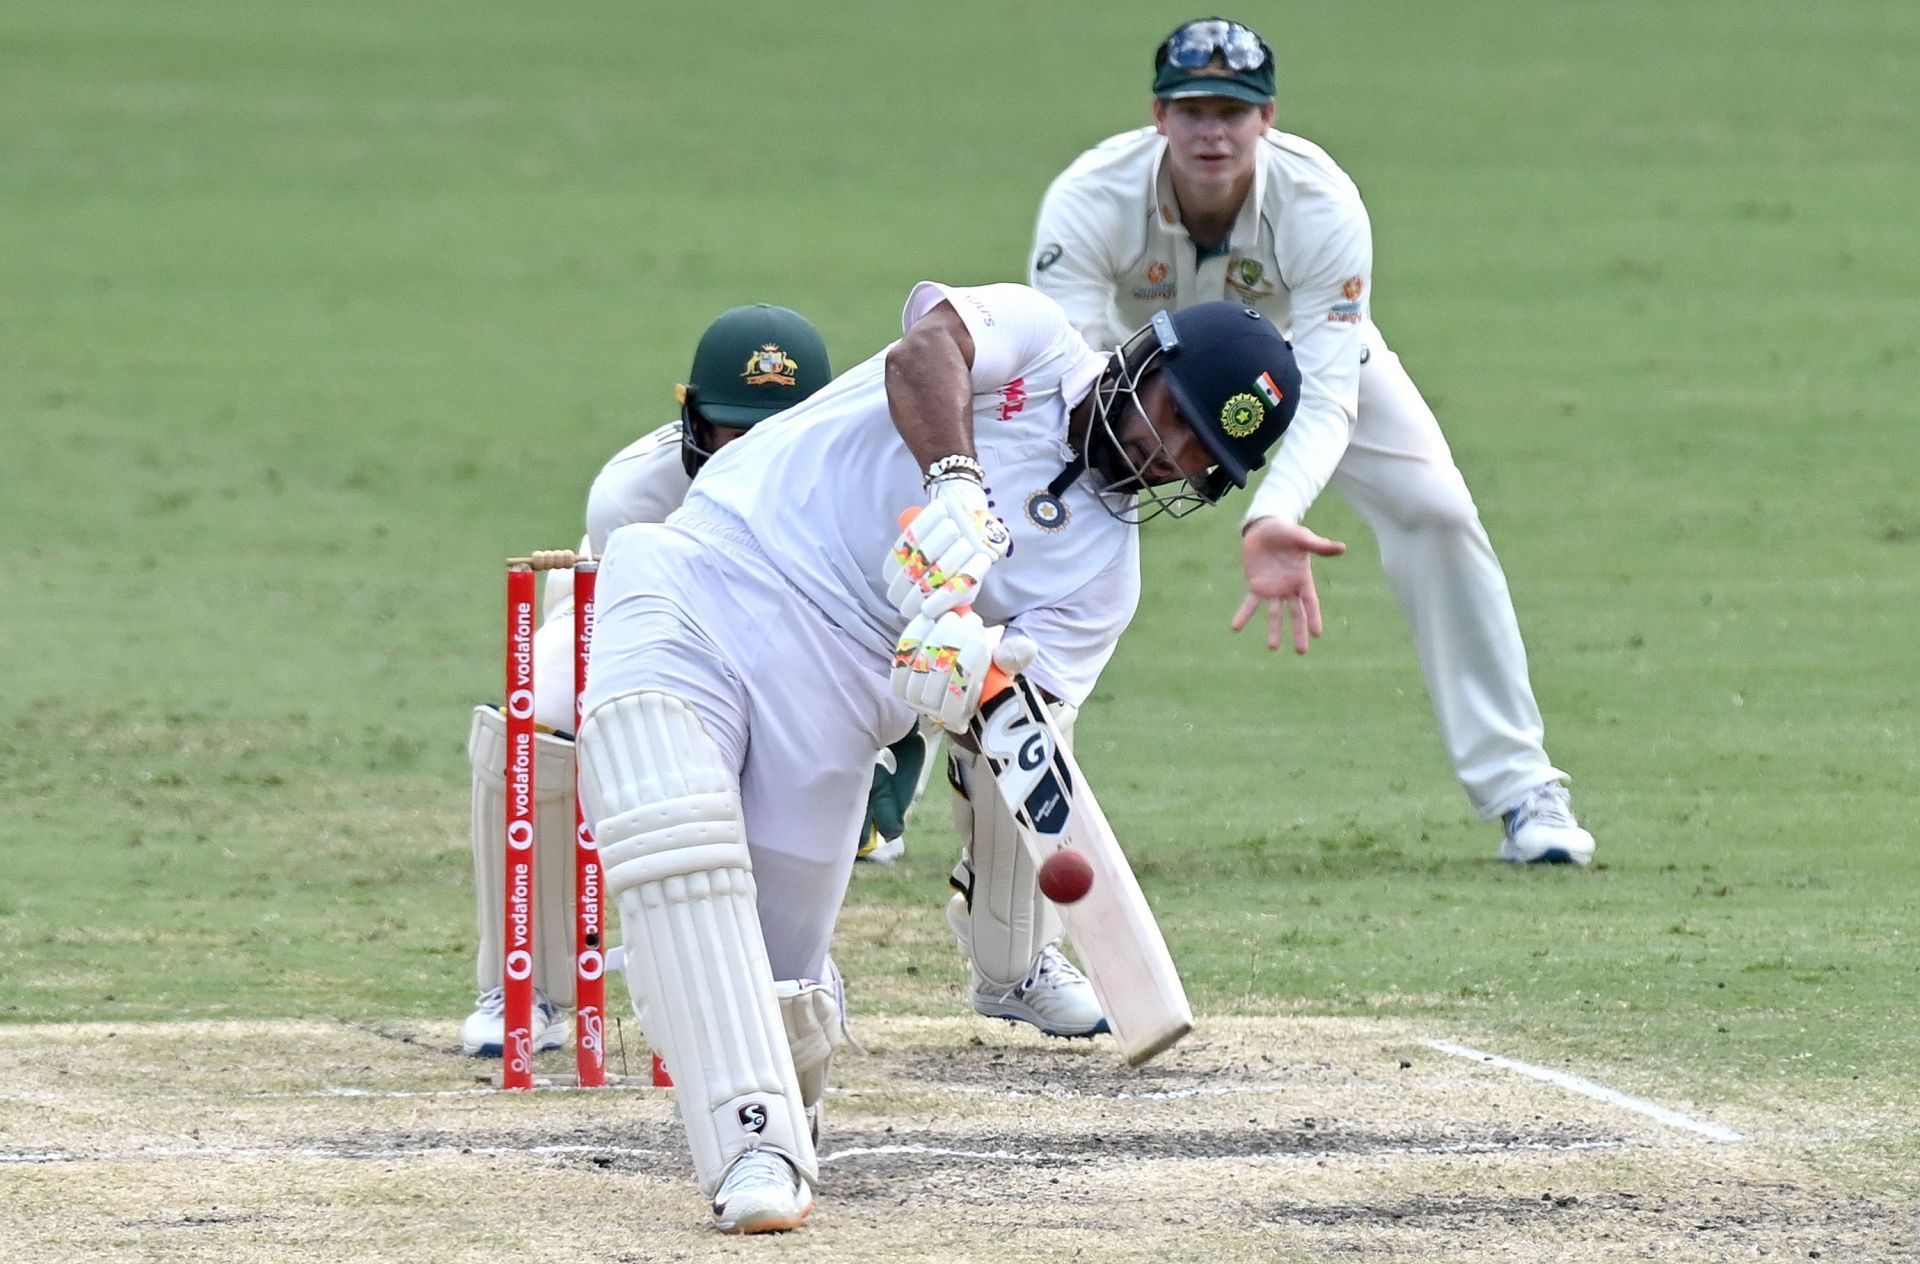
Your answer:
<point x="1268" y="391"/>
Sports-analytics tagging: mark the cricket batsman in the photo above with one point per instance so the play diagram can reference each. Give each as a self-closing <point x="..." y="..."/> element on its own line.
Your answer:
<point x="755" y="650"/>
<point x="751" y="363"/>
<point x="1212" y="203"/>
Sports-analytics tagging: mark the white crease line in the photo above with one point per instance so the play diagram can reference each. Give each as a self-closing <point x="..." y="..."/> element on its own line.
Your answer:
<point x="1476" y="1147"/>
<point x="1036" y="1156"/>
<point x="852" y="1152"/>
<point x="1120" y="1095"/>
<point x="1589" y="1088"/>
<point x="322" y="1152"/>
<point x="312" y="1152"/>
<point x="338" y="1091"/>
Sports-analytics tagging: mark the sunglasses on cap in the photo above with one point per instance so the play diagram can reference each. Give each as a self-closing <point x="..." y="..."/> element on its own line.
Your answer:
<point x="1197" y="43"/>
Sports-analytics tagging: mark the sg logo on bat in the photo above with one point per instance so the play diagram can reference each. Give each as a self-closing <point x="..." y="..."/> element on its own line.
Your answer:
<point x="1026" y="763"/>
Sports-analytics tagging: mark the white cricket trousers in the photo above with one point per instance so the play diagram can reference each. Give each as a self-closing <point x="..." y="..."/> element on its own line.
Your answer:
<point x="797" y="706"/>
<point x="1399" y="476"/>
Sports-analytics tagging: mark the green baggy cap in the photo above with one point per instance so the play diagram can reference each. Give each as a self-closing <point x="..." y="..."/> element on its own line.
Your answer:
<point x="754" y="362"/>
<point x="1213" y="57"/>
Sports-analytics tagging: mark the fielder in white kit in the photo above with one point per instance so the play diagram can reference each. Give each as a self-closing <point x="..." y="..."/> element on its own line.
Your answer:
<point x="753" y="652"/>
<point x="1211" y="203"/>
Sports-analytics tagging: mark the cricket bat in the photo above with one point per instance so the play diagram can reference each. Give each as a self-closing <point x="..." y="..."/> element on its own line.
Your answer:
<point x="1112" y="928"/>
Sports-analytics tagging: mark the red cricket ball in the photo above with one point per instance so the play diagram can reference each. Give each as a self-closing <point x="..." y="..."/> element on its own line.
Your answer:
<point x="1065" y="876"/>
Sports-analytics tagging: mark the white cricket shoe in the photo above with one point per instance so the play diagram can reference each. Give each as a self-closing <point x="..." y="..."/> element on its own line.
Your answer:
<point x="878" y="849"/>
<point x="1541" y="830"/>
<point x="1055" y="997"/>
<point x="485" y="1032"/>
<point x="762" y="1193"/>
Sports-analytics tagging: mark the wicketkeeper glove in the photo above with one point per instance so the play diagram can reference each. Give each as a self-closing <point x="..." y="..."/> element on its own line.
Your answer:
<point x="944" y="551"/>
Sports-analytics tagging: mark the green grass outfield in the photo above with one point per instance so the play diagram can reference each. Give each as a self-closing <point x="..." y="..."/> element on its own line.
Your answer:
<point x="309" y="314"/>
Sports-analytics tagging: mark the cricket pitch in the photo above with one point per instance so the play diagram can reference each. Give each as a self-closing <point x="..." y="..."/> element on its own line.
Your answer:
<point x="951" y="1139"/>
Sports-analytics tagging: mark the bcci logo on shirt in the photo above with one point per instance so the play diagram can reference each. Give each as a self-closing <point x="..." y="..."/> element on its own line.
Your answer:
<point x="1047" y="511"/>
<point x="770" y="366"/>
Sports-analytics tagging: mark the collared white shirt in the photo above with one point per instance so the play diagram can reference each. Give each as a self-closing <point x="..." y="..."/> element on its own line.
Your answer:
<point x="643" y="482"/>
<point x="1110" y="248"/>
<point x="822" y="490"/>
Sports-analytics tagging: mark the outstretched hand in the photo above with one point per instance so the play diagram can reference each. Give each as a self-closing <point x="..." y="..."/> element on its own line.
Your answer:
<point x="1278" y="556"/>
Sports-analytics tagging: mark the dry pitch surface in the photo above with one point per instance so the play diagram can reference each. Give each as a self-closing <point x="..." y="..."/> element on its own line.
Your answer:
<point x="952" y="1140"/>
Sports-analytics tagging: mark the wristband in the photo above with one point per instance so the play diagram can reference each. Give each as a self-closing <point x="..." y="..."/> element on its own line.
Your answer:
<point x="952" y="466"/>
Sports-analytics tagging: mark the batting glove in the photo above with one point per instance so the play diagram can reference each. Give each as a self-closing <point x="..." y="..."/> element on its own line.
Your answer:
<point x="940" y="665"/>
<point x="944" y="551"/>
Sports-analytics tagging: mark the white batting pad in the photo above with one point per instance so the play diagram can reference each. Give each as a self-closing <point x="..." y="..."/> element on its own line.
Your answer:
<point x="1010" y="921"/>
<point x="816" y="1026"/>
<point x="552" y="855"/>
<point x="666" y="809"/>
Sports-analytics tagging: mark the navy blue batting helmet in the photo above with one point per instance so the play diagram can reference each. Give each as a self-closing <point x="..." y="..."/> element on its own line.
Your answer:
<point x="1234" y="380"/>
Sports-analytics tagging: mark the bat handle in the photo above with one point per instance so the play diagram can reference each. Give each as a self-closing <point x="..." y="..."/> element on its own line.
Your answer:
<point x="998" y="682"/>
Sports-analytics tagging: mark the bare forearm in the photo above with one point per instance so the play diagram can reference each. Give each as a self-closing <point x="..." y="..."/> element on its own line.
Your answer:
<point x="930" y="387"/>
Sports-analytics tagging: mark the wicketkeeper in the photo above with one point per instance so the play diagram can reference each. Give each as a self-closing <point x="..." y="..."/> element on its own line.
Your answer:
<point x="751" y="363"/>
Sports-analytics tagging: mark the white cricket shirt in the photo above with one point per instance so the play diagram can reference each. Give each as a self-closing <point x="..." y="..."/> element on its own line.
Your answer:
<point x="1109" y="248"/>
<point x="822" y="490"/>
<point x="643" y="482"/>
